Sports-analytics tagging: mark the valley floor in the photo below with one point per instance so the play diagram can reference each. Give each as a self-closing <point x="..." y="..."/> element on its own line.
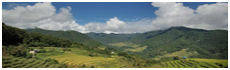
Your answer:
<point x="78" y="58"/>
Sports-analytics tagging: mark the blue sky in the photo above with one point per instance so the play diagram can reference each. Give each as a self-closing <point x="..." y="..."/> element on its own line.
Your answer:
<point x="85" y="12"/>
<point x="115" y="17"/>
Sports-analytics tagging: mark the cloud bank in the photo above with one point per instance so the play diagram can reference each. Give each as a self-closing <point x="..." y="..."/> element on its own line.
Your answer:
<point x="41" y="15"/>
<point x="45" y="16"/>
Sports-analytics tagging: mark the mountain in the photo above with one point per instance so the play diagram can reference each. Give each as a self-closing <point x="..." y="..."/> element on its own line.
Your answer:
<point x="69" y="35"/>
<point x="206" y="43"/>
<point x="197" y="42"/>
<point x="110" y="38"/>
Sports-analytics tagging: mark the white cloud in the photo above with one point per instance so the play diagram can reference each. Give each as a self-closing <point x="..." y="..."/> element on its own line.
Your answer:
<point x="208" y="16"/>
<point x="111" y="26"/>
<point x="43" y="15"/>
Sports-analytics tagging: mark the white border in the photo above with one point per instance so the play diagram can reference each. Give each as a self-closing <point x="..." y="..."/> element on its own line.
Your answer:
<point x="110" y="1"/>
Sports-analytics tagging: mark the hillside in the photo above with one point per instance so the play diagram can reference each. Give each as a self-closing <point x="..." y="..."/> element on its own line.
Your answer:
<point x="208" y="43"/>
<point x="198" y="42"/>
<point x="110" y="38"/>
<point x="69" y="35"/>
<point x="162" y="48"/>
<point x="34" y="50"/>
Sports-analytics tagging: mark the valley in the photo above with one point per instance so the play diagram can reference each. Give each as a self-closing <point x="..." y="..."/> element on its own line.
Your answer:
<point x="175" y="47"/>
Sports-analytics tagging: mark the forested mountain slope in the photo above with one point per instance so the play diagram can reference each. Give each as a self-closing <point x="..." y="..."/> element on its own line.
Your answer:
<point x="69" y="35"/>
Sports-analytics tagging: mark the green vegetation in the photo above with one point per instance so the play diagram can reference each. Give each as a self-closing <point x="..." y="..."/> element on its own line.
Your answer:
<point x="160" y="49"/>
<point x="110" y="38"/>
<point x="207" y="44"/>
<point x="12" y="35"/>
<point x="17" y="62"/>
<point x="67" y="35"/>
<point x="180" y="53"/>
<point x="128" y="46"/>
<point x="193" y="63"/>
<point x="199" y="43"/>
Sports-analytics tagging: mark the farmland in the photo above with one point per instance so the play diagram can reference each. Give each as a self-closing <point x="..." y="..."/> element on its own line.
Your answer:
<point x="193" y="63"/>
<point x="129" y="46"/>
<point x="76" y="58"/>
<point x="17" y="62"/>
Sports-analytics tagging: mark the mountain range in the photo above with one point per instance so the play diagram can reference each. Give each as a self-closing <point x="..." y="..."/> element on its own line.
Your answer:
<point x="198" y="43"/>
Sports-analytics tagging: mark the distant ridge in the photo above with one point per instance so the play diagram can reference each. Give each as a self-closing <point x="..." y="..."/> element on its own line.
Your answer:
<point x="207" y="43"/>
<point x="69" y="35"/>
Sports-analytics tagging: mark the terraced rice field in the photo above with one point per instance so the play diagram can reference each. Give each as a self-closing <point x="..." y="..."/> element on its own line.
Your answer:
<point x="17" y="62"/>
<point x="80" y="60"/>
<point x="195" y="63"/>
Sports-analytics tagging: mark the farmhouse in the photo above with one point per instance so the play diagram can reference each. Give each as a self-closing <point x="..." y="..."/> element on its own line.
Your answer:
<point x="184" y="57"/>
<point x="33" y="52"/>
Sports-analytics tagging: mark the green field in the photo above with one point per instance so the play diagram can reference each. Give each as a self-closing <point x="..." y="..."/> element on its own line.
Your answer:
<point x="78" y="58"/>
<point x="193" y="63"/>
<point x="17" y="62"/>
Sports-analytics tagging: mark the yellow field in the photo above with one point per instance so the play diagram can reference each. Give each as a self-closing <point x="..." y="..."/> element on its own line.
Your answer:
<point x="138" y="49"/>
<point x="213" y="61"/>
<point x="180" y="53"/>
<point x="124" y="44"/>
<point x="80" y="58"/>
<point x="135" y="47"/>
<point x="75" y="59"/>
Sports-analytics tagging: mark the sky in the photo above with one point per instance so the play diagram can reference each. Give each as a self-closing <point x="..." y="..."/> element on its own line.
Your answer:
<point x="115" y="17"/>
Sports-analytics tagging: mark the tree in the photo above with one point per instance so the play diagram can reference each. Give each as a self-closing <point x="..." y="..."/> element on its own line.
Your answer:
<point x="18" y="51"/>
<point x="176" y="58"/>
<point x="12" y="35"/>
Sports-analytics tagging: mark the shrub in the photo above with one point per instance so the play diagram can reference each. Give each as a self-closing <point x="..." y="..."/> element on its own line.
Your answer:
<point x="18" y="51"/>
<point x="176" y="58"/>
<point x="29" y="55"/>
<point x="53" y="61"/>
<point x="92" y="66"/>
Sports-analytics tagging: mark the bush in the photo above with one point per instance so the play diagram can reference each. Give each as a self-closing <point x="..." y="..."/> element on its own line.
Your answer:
<point x="176" y="58"/>
<point x="92" y="66"/>
<point x="91" y="55"/>
<point x="53" y="61"/>
<point x="29" y="55"/>
<point x="18" y="51"/>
